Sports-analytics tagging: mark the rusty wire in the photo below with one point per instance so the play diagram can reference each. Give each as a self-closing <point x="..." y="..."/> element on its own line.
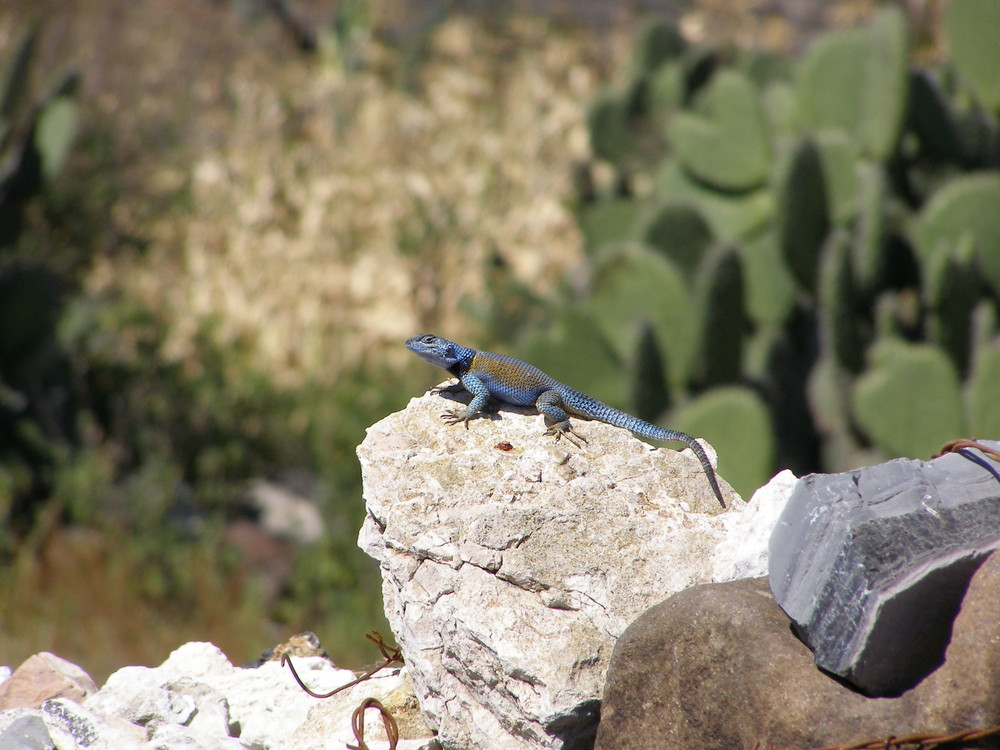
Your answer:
<point x="923" y="741"/>
<point x="391" y="654"/>
<point x="358" y="724"/>
<point x="954" y="446"/>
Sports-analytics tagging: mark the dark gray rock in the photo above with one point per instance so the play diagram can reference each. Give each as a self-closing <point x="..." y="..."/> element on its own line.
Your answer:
<point x="27" y="733"/>
<point x="871" y="564"/>
<point x="716" y="667"/>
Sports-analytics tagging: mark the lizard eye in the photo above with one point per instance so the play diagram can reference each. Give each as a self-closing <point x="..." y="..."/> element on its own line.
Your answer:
<point x="428" y="339"/>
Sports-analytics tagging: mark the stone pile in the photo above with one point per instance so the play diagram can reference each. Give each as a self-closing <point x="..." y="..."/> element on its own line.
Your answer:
<point x="197" y="700"/>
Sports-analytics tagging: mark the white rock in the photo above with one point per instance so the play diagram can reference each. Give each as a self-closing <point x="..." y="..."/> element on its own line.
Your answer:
<point x="176" y="737"/>
<point x="328" y="726"/>
<point x="198" y="687"/>
<point x="742" y="553"/>
<point x="511" y="563"/>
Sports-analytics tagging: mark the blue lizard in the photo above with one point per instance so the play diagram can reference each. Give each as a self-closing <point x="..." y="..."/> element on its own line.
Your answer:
<point x="486" y="375"/>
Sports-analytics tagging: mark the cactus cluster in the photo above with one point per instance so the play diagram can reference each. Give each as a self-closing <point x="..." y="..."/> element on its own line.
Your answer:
<point x="36" y="132"/>
<point x="800" y="261"/>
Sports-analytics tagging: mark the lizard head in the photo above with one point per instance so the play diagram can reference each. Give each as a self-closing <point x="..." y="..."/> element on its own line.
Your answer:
<point x="436" y="350"/>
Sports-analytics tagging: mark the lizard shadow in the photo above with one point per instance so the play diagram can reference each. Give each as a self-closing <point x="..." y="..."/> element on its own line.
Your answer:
<point x="493" y="408"/>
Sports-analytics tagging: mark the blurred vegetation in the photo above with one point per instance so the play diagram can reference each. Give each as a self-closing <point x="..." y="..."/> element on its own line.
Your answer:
<point x="218" y="230"/>
<point x="796" y="260"/>
<point x="101" y="430"/>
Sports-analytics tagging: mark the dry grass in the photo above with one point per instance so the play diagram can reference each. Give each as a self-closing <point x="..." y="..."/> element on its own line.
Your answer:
<point x="87" y="597"/>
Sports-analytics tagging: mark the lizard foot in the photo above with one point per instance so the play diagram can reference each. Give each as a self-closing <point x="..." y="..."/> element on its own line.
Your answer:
<point x="564" y="429"/>
<point x="455" y="417"/>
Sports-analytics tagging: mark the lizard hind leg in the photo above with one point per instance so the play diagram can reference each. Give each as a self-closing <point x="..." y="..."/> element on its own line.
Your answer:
<point x="549" y="403"/>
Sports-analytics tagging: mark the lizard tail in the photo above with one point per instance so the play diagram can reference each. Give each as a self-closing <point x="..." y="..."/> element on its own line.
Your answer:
<point x="698" y="451"/>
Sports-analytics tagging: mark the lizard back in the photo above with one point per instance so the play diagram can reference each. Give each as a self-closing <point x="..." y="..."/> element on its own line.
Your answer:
<point x="510" y="379"/>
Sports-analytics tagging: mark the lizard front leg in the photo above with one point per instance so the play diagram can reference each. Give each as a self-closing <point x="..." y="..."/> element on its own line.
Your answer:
<point x="480" y="397"/>
<point x="550" y="404"/>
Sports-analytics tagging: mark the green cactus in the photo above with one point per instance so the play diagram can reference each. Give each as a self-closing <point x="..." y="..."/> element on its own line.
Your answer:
<point x="650" y="395"/>
<point x="909" y="402"/>
<point x="803" y="213"/>
<point x="857" y="202"/>
<point x="840" y="322"/>
<point x="657" y="42"/>
<point x="934" y="119"/>
<point x="770" y="288"/>
<point x="677" y="229"/>
<point x="781" y="109"/>
<point x="868" y="239"/>
<point x="636" y="286"/>
<point x="839" y="156"/>
<point x="727" y="146"/>
<point x="984" y="406"/>
<point x="732" y="217"/>
<point x="667" y="88"/>
<point x="737" y="424"/>
<point x="966" y="206"/>
<point x="830" y="79"/>
<point x="723" y="333"/>
<point x="885" y="83"/>
<point x="14" y="83"/>
<point x="971" y="29"/>
<point x="762" y="67"/>
<point x="36" y="133"/>
<point x="828" y="392"/>
<point x="55" y="133"/>
<point x="608" y="124"/>
<point x="952" y="290"/>
<point x="855" y="81"/>
<point x="606" y="221"/>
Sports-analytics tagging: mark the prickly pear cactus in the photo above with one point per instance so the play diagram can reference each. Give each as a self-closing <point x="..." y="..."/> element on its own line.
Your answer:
<point x="909" y="402"/>
<point x="727" y="145"/>
<point x="857" y="198"/>
<point x="971" y="27"/>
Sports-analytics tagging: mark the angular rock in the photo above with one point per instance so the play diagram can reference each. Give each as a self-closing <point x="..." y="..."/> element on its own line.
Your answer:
<point x="511" y="563"/>
<point x="716" y="667"/>
<point x="68" y="725"/>
<point x="43" y="676"/>
<point x="26" y="733"/>
<point x="871" y="564"/>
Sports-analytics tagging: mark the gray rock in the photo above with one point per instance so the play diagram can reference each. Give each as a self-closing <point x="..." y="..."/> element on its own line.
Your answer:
<point x="871" y="564"/>
<point x="717" y="667"/>
<point x="511" y="563"/>
<point x="26" y="733"/>
<point x="73" y="727"/>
